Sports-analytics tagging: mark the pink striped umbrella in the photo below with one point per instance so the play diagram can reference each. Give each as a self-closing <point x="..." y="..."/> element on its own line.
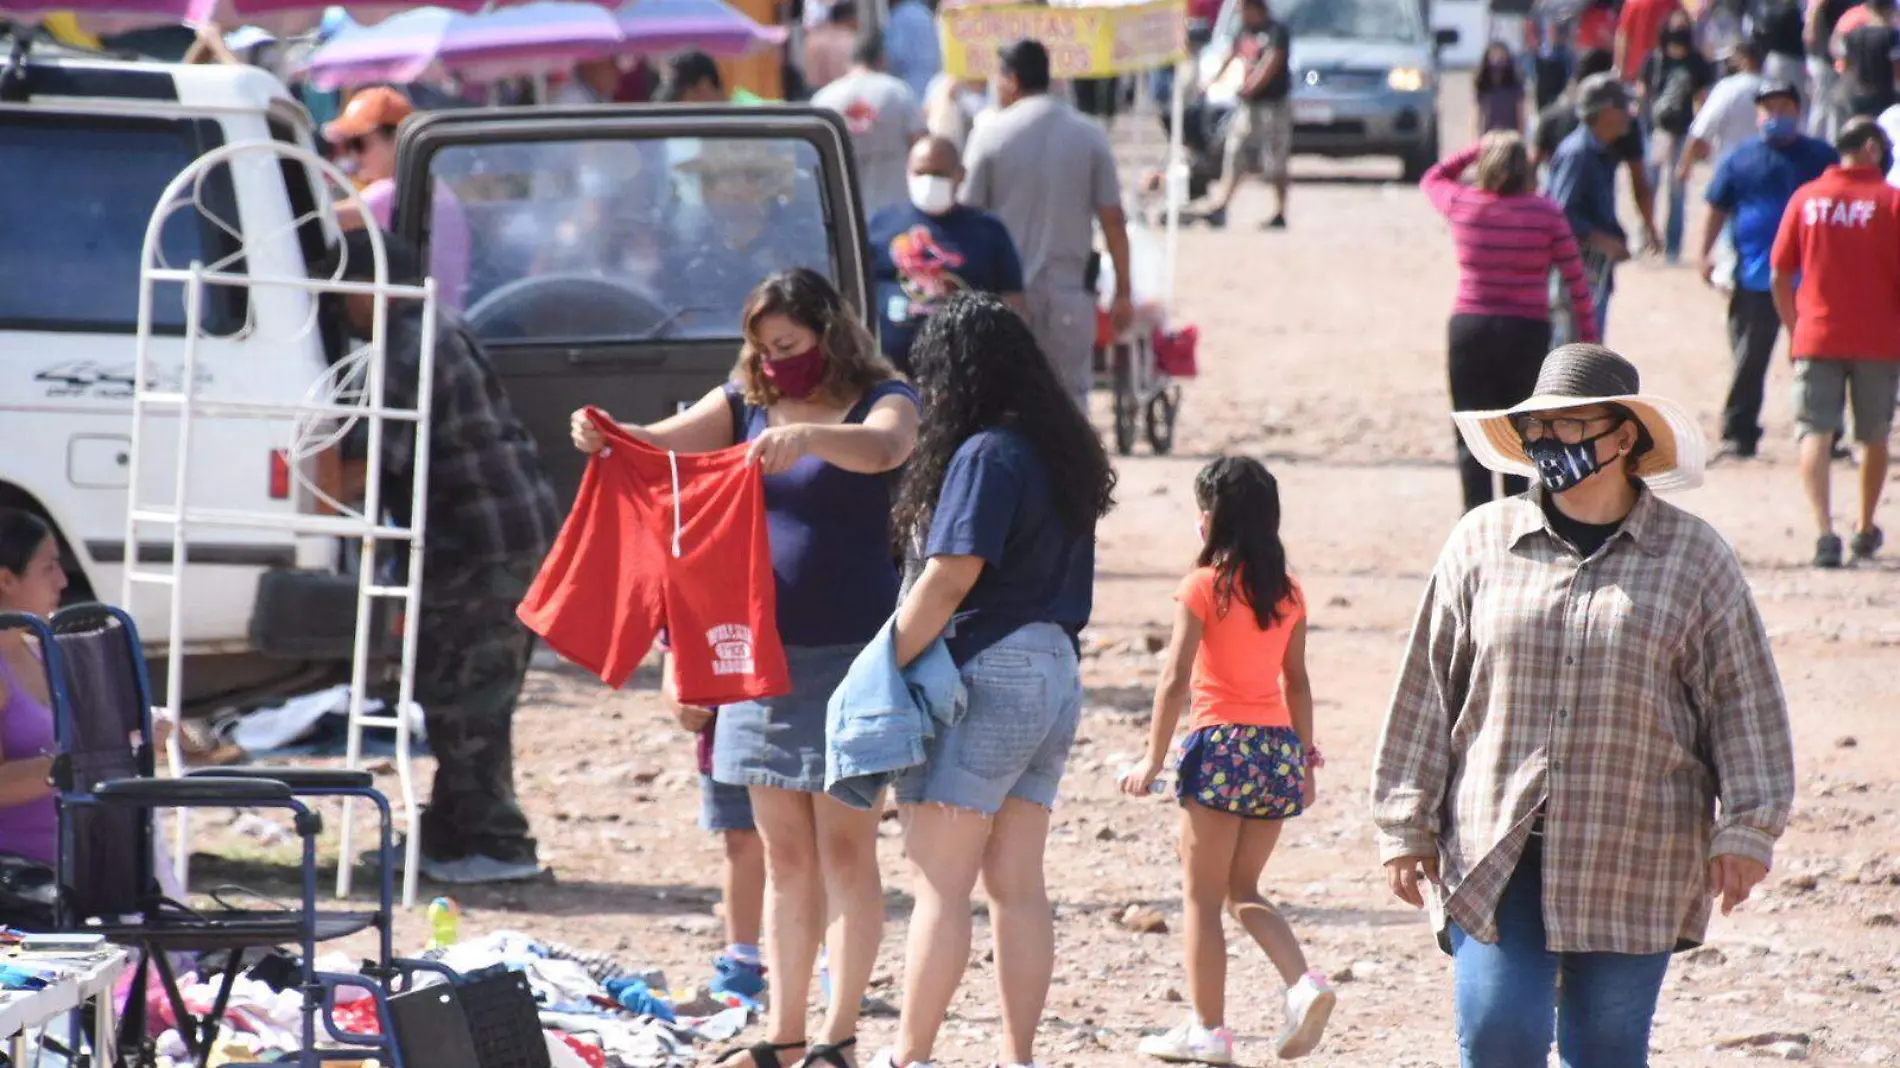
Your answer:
<point x="277" y="16"/>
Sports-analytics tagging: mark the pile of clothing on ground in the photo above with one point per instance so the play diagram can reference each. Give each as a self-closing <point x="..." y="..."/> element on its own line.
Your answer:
<point x="595" y="1012"/>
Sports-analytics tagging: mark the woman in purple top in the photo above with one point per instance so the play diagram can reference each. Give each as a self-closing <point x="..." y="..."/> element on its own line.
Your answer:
<point x="31" y="580"/>
<point x="1500" y="91"/>
<point x="1509" y="242"/>
<point x="829" y="422"/>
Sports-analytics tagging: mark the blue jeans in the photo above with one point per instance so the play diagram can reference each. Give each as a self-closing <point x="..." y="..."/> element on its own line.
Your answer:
<point x="1604" y="1004"/>
<point x="1662" y="177"/>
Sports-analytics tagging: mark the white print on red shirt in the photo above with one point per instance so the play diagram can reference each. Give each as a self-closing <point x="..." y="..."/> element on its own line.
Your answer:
<point x="1851" y="214"/>
<point x="731" y="649"/>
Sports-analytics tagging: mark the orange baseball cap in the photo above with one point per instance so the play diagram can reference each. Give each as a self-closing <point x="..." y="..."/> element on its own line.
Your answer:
<point x="367" y="112"/>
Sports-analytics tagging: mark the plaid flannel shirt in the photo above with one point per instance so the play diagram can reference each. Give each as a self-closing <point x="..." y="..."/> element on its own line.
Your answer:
<point x="1624" y="695"/>
<point x="489" y="499"/>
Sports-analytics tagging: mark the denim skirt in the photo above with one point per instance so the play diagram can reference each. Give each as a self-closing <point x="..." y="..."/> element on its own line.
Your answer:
<point x="781" y="741"/>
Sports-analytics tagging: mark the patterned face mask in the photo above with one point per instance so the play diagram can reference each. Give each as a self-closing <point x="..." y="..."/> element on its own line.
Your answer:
<point x="1563" y="467"/>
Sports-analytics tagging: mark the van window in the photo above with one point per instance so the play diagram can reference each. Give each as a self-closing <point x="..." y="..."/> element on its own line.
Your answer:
<point x="581" y="241"/>
<point x="82" y="190"/>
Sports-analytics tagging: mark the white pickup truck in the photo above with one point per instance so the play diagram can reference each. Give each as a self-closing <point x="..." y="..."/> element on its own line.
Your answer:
<point x="89" y="147"/>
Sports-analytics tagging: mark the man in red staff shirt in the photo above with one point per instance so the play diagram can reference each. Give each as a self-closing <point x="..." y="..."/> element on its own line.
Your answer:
<point x="1837" y="287"/>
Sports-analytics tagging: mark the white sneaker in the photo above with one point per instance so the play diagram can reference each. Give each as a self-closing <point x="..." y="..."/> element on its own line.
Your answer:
<point x="1309" y="1004"/>
<point x="888" y="1059"/>
<point x="1191" y="1043"/>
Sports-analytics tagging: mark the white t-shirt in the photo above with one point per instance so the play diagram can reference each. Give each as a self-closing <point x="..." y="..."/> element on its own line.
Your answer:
<point x="1890" y="121"/>
<point x="884" y="118"/>
<point x="1727" y="118"/>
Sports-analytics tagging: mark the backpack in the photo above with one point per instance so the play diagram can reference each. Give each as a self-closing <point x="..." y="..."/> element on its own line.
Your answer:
<point x="1675" y="105"/>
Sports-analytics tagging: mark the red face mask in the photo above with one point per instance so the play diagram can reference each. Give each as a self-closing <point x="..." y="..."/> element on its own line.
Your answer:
<point x="797" y="377"/>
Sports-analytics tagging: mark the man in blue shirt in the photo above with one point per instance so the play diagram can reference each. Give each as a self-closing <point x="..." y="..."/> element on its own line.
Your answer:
<point x="925" y="251"/>
<point x="1583" y="183"/>
<point x="1749" y="192"/>
<point x="910" y="45"/>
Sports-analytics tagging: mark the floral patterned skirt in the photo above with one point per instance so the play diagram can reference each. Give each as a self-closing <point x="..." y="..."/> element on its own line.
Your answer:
<point x="1254" y="772"/>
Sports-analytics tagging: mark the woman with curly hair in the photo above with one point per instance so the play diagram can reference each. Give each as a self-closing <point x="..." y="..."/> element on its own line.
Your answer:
<point x="827" y="420"/>
<point x="1000" y="500"/>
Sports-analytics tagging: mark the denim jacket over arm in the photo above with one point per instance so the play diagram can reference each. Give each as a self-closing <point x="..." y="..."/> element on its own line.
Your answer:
<point x="880" y="717"/>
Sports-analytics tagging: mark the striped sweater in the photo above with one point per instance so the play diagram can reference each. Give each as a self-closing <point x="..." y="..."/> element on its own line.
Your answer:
<point x="1507" y="246"/>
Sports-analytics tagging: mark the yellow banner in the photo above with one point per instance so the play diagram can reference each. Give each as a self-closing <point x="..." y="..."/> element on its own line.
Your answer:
<point x="1083" y="42"/>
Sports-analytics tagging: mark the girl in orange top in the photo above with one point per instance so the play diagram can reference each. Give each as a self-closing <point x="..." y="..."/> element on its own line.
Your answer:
<point x="1248" y="760"/>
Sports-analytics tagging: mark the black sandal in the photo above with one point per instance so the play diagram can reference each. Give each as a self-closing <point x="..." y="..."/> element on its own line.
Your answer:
<point x="831" y="1053"/>
<point x="763" y="1054"/>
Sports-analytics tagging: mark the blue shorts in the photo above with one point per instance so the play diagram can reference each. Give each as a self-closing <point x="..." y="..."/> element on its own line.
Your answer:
<point x="780" y="742"/>
<point x="1255" y="772"/>
<point x="1025" y="701"/>
<point x="724" y="808"/>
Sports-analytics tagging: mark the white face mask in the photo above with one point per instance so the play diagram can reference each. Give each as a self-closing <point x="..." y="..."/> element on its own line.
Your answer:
<point x="933" y="194"/>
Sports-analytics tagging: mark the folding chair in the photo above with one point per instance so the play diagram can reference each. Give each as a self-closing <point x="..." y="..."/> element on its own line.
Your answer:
<point x="107" y="793"/>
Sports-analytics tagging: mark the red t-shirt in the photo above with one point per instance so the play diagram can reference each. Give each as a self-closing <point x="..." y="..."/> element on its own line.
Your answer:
<point x="1841" y="235"/>
<point x="1596" y="28"/>
<point x="1642" y="21"/>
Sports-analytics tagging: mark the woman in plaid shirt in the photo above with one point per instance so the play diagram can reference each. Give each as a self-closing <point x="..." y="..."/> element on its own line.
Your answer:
<point x="1588" y="740"/>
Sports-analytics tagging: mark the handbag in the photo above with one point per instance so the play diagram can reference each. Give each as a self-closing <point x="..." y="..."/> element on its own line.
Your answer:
<point x="29" y="894"/>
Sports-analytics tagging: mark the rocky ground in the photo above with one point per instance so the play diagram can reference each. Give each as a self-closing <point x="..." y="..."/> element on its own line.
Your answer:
<point x="1323" y="354"/>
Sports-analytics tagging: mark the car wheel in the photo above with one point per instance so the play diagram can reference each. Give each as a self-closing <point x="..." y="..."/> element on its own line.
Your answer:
<point x="1420" y="159"/>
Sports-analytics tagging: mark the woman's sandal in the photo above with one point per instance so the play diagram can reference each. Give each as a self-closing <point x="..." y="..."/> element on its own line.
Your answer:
<point x="763" y="1054"/>
<point x="831" y="1053"/>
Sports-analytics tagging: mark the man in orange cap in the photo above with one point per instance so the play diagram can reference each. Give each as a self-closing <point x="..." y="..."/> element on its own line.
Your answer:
<point x="365" y="139"/>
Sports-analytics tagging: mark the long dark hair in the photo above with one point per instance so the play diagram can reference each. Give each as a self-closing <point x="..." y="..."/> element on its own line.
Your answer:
<point x="1242" y="502"/>
<point x="1487" y="79"/>
<point x="21" y="535"/>
<point x="977" y="367"/>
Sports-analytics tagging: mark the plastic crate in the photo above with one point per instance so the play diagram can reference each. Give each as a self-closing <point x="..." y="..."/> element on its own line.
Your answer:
<point x="503" y="1019"/>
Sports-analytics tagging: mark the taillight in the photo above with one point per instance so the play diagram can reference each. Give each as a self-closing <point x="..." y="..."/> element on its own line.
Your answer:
<point x="279" y="475"/>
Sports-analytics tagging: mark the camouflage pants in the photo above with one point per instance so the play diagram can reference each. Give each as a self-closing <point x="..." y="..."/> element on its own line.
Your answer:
<point x="471" y="660"/>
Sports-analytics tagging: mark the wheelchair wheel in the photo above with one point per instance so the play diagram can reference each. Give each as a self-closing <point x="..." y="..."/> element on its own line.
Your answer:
<point x="1127" y="404"/>
<point x="1162" y="410"/>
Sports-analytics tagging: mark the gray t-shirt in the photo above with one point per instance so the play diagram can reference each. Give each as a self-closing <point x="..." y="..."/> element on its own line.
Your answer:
<point x="1045" y="170"/>
<point x="884" y="118"/>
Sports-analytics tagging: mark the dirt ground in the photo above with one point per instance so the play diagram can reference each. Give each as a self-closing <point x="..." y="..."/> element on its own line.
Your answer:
<point x="1323" y="354"/>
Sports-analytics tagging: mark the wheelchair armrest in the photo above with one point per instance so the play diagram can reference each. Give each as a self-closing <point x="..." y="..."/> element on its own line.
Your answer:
<point x="190" y="791"/>
<point x="295" y="778"/>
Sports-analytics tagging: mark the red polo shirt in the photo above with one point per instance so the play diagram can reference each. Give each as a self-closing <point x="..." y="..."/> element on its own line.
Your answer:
<point x="1841" y="235"/>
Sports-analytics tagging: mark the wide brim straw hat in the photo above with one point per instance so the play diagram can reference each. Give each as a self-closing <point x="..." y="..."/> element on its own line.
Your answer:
<point x="1577" y="376"/>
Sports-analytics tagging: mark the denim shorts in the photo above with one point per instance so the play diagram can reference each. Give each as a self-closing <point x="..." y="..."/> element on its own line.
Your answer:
<point x="1025" y="700"/>
<point x="724" y="808"/>
<point x="780" y="741"/>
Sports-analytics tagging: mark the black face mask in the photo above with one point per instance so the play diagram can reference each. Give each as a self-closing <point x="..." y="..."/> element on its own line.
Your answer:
<point x="1562" y="467"/>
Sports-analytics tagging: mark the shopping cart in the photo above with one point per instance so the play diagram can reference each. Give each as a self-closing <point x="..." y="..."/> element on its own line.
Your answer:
<point x="1140" y="367"/>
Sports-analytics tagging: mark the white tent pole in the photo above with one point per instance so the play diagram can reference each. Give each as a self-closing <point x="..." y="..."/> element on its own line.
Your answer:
<point x="1175" y="178"/>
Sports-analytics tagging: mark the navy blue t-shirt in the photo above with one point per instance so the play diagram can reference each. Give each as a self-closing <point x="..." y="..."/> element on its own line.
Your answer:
<point x="1753" y="186"/>
<point x="831" y="540"/>
<point x="918" y="261"/>
<point x="996" y="504"/>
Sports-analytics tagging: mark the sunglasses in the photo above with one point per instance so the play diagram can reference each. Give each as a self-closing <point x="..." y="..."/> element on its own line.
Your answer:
<point x="1567" y="429"/>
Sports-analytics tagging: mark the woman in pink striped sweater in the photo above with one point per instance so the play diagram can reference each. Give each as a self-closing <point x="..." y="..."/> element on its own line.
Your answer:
<point x="1509" y="240"/>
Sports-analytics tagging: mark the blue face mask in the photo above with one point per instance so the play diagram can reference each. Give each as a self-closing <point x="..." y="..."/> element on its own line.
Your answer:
<point x="1780" y="129"/>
